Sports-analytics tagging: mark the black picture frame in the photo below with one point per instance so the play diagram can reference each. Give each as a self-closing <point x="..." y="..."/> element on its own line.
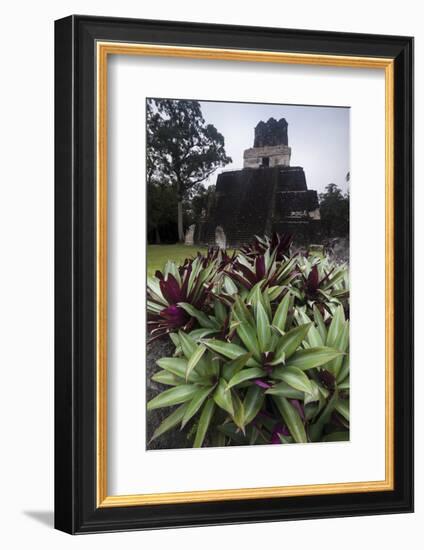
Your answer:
<point x="76" y="509"/>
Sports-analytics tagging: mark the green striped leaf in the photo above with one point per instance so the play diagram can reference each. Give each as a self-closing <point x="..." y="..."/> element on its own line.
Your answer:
<point x="233" y="367"/>
<point x="313" y="337"/>
<point x="238" y="416"/>
<point x="204" y="422"/>
<point x="220" y="311"/>
<point x="335" y="327"/>
<point x="337" y="276"/>
<point x="203" y="319"/>
<point x="253" y="402"/>
<point x="170" y="422"/>
<point x="313" y="357"/>
<point x="342" y="407"/>
<point x="280" y="315"/>
<point x="153" y="307"/>
<point x="199" y="333"/>
<point x="316" y="429"/>
<point x="345" y="385"/>
<point x="228" y="350"/>
<point x="263" y="327"/>
<point x="244" y="375"/>
<point x="188" y="344"/>
<point x="223" y="398"/>
<point x="167" y="378"/>
<point x="195" y="404"/>
<point x="175" y="339"/>
<point x="173" y="396"/>
<point x="291" y="418"/>
<point x="291" y="340"/>
<point x="295" y="378"/>
<point x="171" y="268"/>
<point x="274" y="292"/>
<point x="319" y="321"/>
<point x="285" y="390"/>
<point x="341" y="344"/>
<point x="230" y="286"/>
<point x="176" y="365"/>
<point x="248" y="336"/>
<point x="344" y="371"/>
<point x="194" y="359"/>
<point x="242" y="312"/>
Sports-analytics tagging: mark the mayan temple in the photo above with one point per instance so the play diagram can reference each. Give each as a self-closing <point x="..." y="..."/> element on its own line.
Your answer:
<point x="267" y="195"/>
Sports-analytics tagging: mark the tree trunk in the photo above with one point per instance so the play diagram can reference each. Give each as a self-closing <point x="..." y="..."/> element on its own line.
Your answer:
<point x="180" y="221"/>
<point x="157" y="236"/>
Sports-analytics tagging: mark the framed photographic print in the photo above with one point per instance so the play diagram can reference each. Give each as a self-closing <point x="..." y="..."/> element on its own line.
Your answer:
<point x="233" y="274"/>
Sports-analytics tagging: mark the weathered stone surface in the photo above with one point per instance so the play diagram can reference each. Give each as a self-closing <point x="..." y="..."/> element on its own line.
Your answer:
<point x="267" y="157"/>
<point x="189" y="235"/>
<point x="315" y="214"/>
<point x="267" y="195"/>
<point x="253" y="202"/>
<point x="295" y="205"/>
<point x="174" y="439"/>
<point x="338" y="249"/>
<point x="220" y="238"/>
<point x="272" y="132"/>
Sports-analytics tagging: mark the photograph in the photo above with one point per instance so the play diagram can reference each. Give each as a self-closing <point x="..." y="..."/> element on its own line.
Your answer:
<point x="233" y="271"/>
<point x="247" y="224"/>
<point x="208" y="307"/>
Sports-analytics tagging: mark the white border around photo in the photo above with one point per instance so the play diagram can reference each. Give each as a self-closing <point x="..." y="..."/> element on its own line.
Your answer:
<point x="132" y="469"/>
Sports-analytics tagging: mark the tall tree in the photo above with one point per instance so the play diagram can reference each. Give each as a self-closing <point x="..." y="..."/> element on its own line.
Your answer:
<point x="334" y="210"/>
<point x="160" y="196"/>
<point x="182" y="150"/>
<point x="200" y="202"/>
<point x="161" y="206"/>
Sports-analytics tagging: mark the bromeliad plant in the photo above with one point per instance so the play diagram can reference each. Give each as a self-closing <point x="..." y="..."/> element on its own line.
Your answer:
<point x="280" y="244"/>
<point x="188" y="284"/>
<point x="322" y="283"/>
<point x="255" y="363"/>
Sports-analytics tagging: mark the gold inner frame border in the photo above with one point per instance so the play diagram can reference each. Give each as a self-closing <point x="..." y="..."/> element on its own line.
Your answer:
<point x="103" y="50"/>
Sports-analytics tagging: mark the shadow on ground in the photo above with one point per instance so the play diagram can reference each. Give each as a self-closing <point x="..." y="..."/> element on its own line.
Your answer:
<point x="46" y="517"/>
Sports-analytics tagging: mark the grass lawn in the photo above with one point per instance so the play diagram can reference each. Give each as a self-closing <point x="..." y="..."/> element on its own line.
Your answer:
<point x="159" y="254"/>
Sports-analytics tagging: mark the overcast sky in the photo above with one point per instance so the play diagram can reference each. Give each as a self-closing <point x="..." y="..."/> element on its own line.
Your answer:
<point x="318" y="137"/>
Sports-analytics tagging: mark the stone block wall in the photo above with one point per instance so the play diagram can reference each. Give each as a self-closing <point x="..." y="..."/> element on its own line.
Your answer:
<point x="276" y="155"/>
<point x="253" y="202"/>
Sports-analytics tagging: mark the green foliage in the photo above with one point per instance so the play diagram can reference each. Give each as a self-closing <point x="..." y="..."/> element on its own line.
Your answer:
<point x="334" y="211"/>
<point x="323" y="284"/>
<point x="182" y="149"/>
<point x="161" y="205"/>
<point x="199" y="204"/>
<point x="261" y="341"/>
